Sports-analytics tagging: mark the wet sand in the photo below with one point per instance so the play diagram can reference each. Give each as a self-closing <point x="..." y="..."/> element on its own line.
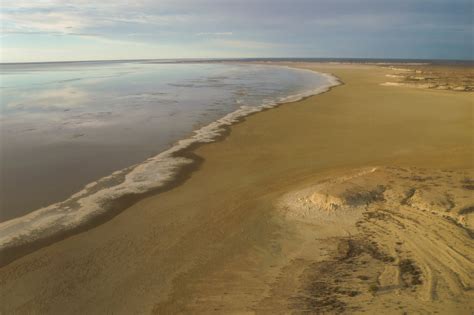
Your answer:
<point x="356" y="200"/>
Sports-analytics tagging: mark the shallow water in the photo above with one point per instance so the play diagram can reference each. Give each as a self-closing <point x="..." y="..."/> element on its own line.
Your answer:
<point x="64" y="125"/>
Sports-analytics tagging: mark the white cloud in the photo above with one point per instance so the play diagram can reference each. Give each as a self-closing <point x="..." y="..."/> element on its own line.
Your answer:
<point x="44" y="22"/>
<point x="83" y="17"/>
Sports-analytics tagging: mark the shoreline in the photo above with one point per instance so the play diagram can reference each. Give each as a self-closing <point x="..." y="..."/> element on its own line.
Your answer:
<point x="190" y="162"/>
<point x="329" y="205"/>
<point x="97" y="134"/>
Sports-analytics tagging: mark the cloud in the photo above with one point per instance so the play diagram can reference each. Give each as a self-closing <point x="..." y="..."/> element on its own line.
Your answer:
<point x="244" y="44"/>
<point x="81" y="16"/>
<point x="43" y="22"/>
<point x="215" y="27"/>
<point x="214" y="34"/>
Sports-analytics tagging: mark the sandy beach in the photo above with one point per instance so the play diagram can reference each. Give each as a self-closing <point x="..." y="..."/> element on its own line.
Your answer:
<point x="357" y="200"/>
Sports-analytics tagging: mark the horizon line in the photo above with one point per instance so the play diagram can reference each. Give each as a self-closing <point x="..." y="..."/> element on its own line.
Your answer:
<point x="190" y="59"/>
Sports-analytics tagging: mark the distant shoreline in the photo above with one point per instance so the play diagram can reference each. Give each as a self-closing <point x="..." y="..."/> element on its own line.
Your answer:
<point x="392" y="61"/>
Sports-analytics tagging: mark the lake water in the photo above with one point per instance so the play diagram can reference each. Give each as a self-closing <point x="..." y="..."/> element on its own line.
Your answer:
<point x="66" y="126"/>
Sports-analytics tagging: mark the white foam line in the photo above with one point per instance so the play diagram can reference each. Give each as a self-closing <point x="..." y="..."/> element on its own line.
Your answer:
<point x="153" y="173"/>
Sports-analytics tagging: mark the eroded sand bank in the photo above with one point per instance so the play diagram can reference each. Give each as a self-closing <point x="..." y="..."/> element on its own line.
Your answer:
<point x="405" y="242"/>
<point x="380" y="233"/>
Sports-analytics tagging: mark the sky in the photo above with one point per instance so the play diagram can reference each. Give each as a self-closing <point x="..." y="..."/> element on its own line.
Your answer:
<point x="60" y="30"/>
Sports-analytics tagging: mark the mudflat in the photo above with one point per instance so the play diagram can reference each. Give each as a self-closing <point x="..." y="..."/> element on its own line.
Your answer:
<point x="356" y="200"/>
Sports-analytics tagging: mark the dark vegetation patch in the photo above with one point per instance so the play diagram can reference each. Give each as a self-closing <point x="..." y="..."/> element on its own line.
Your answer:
<point x="328" y="286"/>
<point x="385" y="215"/>
<point x="352" y="248"/>
<point x="358" y="198"/>
<point x="410" y="273"/>
<point x="320" y="293"/>
<point x="466" y="210"/>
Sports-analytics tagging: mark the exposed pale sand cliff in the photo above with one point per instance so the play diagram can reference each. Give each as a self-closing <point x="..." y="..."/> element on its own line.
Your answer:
<point x="356" y="200"/>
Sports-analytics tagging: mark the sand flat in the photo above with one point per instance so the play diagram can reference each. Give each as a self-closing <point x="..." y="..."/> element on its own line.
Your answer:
<point x="221" y="242"/>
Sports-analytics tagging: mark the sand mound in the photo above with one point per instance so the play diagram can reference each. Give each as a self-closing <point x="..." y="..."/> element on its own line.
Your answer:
<point x="346" y="196"/>
<point x="333" y="197"/>
<point x="412" y="241"/>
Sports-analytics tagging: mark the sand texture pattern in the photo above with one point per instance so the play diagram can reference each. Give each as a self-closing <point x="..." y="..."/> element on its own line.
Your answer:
<point x="412" y="249"/>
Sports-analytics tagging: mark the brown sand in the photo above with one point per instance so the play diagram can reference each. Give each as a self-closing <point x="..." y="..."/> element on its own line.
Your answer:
<point x="288" y="214"/>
